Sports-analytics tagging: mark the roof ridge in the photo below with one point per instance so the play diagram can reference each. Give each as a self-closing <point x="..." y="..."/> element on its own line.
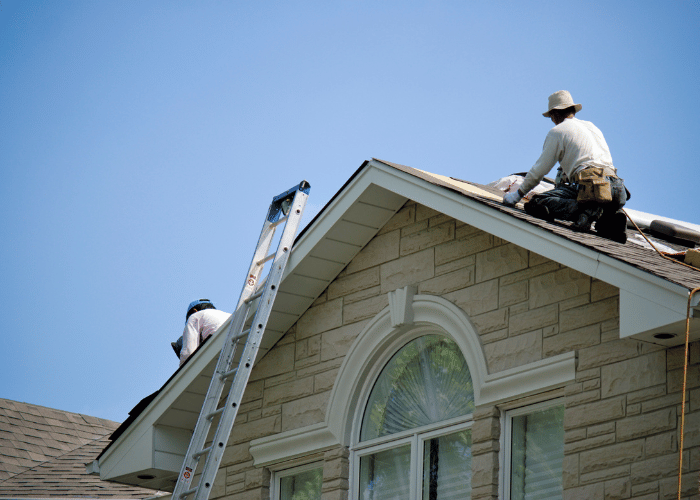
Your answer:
<point x="82" y="415"/>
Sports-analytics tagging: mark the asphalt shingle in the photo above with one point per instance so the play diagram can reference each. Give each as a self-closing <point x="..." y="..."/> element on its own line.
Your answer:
<point x="642" y="258"/>
<point x="43" y="453"/>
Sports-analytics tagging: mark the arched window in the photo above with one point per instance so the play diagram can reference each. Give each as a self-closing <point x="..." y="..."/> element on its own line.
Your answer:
<point x="414" y="440"/>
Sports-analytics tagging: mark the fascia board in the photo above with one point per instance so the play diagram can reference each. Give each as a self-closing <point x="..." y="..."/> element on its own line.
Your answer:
<point x="530" y="237"/>
<point x="643" y="284"/>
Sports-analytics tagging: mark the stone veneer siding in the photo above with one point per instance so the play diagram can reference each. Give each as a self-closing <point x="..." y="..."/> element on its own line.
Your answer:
<point x="622" y="412"/>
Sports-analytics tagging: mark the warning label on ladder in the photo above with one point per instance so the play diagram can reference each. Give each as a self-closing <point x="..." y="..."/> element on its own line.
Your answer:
<point x="187" y="476"/>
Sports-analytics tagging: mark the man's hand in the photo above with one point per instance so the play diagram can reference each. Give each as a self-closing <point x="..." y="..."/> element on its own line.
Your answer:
<point x="510" y="199"/>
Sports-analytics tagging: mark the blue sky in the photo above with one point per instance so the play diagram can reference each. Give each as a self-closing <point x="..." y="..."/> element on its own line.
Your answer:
<point x="141" y="143"/>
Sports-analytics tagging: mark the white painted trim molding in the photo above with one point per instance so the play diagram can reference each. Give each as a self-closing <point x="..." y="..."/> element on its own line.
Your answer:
<point x="292" y="444"/>
<point x="385" y="333"/>
<point x="533" y="378"/>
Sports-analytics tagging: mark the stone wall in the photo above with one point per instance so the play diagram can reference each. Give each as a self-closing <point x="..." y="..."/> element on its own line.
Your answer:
<point x="622" y="423"/>
<point x="622" y="412"/>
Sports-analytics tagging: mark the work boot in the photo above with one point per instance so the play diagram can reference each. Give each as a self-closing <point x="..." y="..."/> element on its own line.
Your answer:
<point x="583" y="223"/>
<point x="613" y="226"/>
<point x="538" y="210"/>
<point x="585" y="219"/>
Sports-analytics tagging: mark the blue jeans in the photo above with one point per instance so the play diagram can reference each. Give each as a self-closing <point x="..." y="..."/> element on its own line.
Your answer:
<point x="561" y="203"/>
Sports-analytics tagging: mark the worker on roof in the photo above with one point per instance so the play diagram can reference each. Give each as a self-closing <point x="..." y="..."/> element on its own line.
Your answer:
<point x="588" y="189"/>
<point x="201" y="321"/>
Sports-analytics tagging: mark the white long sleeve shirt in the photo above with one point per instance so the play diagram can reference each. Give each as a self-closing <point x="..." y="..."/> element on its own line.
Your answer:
<point x="574" y="144"/>
<point x="200" y="326"/>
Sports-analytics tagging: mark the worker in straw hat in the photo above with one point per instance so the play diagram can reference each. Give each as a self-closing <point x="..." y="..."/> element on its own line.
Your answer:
<point x="588" y="190"/>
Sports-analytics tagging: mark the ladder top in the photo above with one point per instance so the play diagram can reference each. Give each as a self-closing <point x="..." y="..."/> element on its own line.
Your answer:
<point x="278" y="202"/>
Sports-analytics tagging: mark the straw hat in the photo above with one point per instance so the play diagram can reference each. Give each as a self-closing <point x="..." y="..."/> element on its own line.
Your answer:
<point x="561" y="99"/>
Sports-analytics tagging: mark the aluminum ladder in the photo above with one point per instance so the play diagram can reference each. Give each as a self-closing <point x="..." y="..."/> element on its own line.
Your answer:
<point x="286" y="209"/>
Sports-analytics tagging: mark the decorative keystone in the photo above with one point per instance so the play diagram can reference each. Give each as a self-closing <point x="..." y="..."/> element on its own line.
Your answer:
<point x="401" y="306"/>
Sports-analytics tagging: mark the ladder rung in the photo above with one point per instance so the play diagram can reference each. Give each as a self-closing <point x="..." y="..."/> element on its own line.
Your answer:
<point x="253" y="297"/>
<point x="188" y="492"/>
<point x="266" y="259"/>
<point x="215" y="412"/>
<point x="223" y="376"/>
<point x="202" y="452"/>
<point x="279" y="221"/>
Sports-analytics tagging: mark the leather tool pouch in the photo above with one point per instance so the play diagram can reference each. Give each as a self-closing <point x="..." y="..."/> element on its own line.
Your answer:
<point x="593" y="185"/>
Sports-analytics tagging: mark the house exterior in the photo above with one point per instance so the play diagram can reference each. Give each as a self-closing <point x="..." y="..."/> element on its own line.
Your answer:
<point x="43" y="452"/>
<point x="429" y="342"/>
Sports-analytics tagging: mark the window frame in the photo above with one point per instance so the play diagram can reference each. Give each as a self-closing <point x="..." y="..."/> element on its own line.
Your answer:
<point x="507" y="439"/>
<point x="277" y="476"/>
<point x="415" y="437"/>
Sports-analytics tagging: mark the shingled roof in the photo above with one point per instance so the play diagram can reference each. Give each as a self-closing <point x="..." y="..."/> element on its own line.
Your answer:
<point x="642" y="258"/>
<point x="43" y="453"/>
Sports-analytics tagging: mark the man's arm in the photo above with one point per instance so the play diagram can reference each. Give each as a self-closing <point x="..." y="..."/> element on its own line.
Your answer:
<point x="549" y="157"/>
<point x="190" y="340"/>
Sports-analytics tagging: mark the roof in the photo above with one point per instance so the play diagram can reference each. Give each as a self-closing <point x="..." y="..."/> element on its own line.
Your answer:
<point x="642" y="258"/>
<point x="653" y="293"/>
<point x="43" y="453"/>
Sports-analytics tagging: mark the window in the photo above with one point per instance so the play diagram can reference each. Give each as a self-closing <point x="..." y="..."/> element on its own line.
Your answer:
<point x="415" y="441"/>
<point x="535" y="438"/>
<point x="300" y="483"/>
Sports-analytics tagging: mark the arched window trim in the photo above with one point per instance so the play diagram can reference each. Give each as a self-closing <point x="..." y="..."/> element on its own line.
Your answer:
<point x="373" y="375"/>
<point x="384" y="335"/>
<point x="407" y="315"/>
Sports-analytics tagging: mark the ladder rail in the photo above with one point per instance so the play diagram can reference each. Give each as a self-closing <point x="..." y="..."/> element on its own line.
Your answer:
<point x="250" y="285"/>
<point x="250" y="351"/>
<point x="209" y="406"/>
<point x="252" y="289"/>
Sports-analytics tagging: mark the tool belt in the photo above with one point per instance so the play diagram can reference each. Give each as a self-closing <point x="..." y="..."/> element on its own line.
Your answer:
<point x="593" y="185"/>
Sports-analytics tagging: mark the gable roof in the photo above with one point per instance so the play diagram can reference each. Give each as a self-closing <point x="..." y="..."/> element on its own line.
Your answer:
<point x="637" y="256"/>
<point x="653" y="292"/>
<point x="43" y="453"/>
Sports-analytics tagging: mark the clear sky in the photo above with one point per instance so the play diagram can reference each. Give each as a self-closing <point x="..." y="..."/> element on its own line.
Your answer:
<point x="141" y="143"/>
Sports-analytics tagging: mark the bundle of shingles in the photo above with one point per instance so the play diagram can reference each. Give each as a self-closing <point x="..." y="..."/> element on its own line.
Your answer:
<point x="690" y="257"/>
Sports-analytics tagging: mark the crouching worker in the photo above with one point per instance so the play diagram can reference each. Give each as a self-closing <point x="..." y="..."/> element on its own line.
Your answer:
<point x="589" y="190"/>
<point x="202" y="320"/>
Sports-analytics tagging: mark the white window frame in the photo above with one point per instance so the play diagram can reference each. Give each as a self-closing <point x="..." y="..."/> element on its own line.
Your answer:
<point x="507" y="438"/>
<point x="277" y="475"/>
<point x="416" y="437"/>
